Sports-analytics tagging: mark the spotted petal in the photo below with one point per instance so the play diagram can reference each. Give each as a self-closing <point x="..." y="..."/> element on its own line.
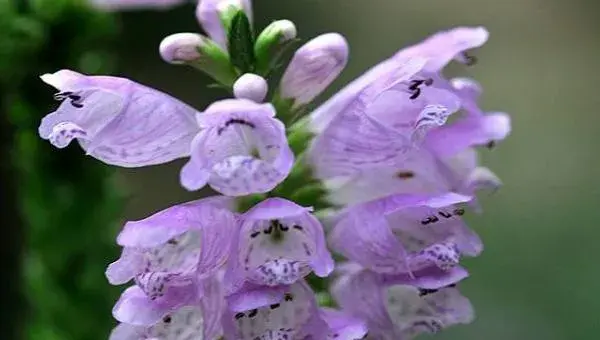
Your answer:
<point x="403" y="233"/>
<point x="279" y="242"/>
<point x="197" y="320"/>
<point x="177" y="243"/>
<point x="397" y="311"/>
<point x="382" y="124"/>
<point x="117" y="120"/>
<point x="241" y="149"/>
<point x="294" y="315"/>
<point x="343" y="326"/>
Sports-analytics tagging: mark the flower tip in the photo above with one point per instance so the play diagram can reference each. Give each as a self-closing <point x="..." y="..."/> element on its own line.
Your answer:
<point x="315" y="66"/>
<point x="335" y="44"/>
<point x="251" y="86"/>
<point x="60" y="79"/>
<point x="286" y="28"/>
<point x="180" y="48"/>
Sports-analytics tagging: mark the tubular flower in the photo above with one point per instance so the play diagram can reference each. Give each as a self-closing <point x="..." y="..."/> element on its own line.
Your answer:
<point x="406" y="234"/>
<point x="241" y="149"/>
<point x="117" y="120"/>
<point x="389" y="162"/>
<point x="393" y="310"/>
<point x="167" y="255"/>
<point x="278" y="243"/>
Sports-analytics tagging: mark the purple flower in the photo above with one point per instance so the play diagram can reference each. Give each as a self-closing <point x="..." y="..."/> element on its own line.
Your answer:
<point x="120" y="5"/>
<point x="313" y="67"/>
<point x="117" y="120"/>
<point x="167" y="254"/>
<point x="383" y="123"/>
<point x="406" y="233"/>
<point x="199" y="318"/>
<point x="433" y="53"/>
<point x="393" y="310"/>
<point x="343" y="326"/>
<point x="282" y="312"/>
<point x="241" y="149"/>
<point x="210" y="14"/>
<point x="474" y="129"/>
<point x="278" y="243"/>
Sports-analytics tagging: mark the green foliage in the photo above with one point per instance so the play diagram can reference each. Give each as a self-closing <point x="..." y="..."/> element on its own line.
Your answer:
<point x="70" y="203"/>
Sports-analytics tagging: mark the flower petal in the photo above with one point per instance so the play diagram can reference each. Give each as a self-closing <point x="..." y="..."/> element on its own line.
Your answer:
<point x="242" y="148"/>
<point x="294" y="316"/>
<point x="280" y="242"/>
<point x="118" y="121"/>
<point x="343" y="326"/>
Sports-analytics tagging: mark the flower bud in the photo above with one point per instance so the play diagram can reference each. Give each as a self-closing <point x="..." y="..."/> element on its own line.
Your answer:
<point x="200" y="52"/>
<point x="271" y="43"/>
<point x="215" y="17"/>
<point x="313" y="67"/>
<point x="251" y="86"/>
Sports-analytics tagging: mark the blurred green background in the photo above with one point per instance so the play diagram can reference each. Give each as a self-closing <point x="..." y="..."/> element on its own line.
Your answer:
<point x="537" y="278"/>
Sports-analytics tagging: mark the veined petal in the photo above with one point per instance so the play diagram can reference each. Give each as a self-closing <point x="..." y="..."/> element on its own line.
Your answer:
<point x="404" y="234"/>
<point x="383" y="123"/>
<point x="433" y="54"/>
<point x="420" y="172"/>
<point x="208" y="13"/>
<point x="241" y="149"/>
<point x="398" y="311"/>
<point x="175" y="245"/>
<point x="343" y="326"/>
<point x="471" y="131"/>
<point x="193" y="319"/>
<point x="442" y="47"/>
<point x="118" y="121"/>
<point x="294" y="316"/>
<point x="361" y="294"/>
<point x="279" y="243"/>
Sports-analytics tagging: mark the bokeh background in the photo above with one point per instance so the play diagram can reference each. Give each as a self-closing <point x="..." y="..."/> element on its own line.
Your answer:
<point x="539" y="275"/>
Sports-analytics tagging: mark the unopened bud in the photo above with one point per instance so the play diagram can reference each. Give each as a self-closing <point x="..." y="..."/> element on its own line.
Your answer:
<point x="313" y="67"/>
<point x="271" y="42"/>
<point x="251" y="86"/>
<point x="215" y="17"/>
<point x="200" y="52"/>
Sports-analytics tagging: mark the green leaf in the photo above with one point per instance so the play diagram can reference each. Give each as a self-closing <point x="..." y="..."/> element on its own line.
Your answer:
<point x="240" y="41"/>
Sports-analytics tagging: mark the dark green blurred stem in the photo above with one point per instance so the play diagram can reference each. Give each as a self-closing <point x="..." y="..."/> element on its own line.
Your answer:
<point x="11" y="242"/>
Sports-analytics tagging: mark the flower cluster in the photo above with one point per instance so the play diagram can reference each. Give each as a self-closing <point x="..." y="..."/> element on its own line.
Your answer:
<point x="395" y="175"/>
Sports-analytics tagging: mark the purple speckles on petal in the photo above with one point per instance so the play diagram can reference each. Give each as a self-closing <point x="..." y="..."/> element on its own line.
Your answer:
<point x="240" y="150"/>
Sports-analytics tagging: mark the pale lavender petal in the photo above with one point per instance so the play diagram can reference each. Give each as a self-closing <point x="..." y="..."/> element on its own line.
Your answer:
<point x="279" y="243"/>
<point x="361" y="295"/>
<point x="467" y="132"/>
<point x="382" y="124"/>
<point x="442" y="47"/>
<point x="365" y="237"/>
<point x="117" y="120"/>
<point x="429" y="278"/>
<point x="252" y="87"/>
<point x="313" y="67"/>
<point x="135" y="308"/>
<point x="294" y="316"/>
<point x="322" y="117"/>
<point x="176" y="243"/>
<point x="420" y="172"/>
<point x="241" y="149"/>
<point x="406" y="233"/>
<point x="208" y="13"/>
<point x="343" y="326"/>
